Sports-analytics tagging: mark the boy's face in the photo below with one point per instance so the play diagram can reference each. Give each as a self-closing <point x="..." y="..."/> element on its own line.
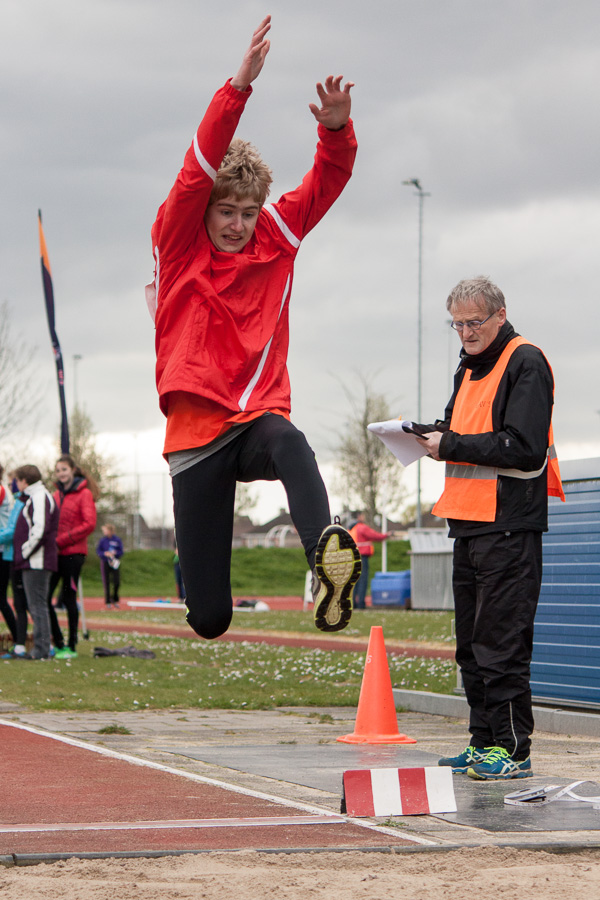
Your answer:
<point x="21" y="484"/>
<point x="230" y="223"/>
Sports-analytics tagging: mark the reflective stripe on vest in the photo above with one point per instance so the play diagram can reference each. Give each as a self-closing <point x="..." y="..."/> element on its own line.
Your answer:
<point x="470" y="490"/>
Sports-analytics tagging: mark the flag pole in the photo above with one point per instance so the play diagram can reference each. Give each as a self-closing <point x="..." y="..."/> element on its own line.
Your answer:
<point x="60" y="369"/>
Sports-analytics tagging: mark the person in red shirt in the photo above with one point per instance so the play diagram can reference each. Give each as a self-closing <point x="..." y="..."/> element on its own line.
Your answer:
<point x="363" y="534"/>
<point x="224" y="261"/>
<point x="75" y="497"/>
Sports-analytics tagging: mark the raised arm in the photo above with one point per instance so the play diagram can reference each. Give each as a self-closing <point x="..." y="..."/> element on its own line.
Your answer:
<point x="254" y="57"/>
<point x="180" y="218"/>
<point x="334" y="111"/>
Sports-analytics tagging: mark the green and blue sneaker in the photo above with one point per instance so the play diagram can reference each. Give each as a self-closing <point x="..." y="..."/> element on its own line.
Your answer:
<point x="65" y="653"/>
<point x="500" y="764"/>
<point x="470" y="755"/>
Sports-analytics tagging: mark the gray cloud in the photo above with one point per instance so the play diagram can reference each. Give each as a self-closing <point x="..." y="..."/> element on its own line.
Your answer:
<point x="494" y="107"/>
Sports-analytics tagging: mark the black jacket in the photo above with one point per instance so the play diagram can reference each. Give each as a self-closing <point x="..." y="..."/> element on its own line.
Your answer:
<point x="521" y="415"/>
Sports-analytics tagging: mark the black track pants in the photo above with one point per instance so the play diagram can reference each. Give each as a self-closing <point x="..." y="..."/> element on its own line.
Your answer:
<point x="111" y="579"/>
<point x="69" y="570"/>
<point x="20" y="602"/>
<point x="271" y="449"/>
<point x="496" y="581"/>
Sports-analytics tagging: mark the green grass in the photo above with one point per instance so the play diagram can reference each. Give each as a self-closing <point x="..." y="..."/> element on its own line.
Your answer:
<point x="189" y="674"/>
<point x="113" y="729"/>
<point x="260" y="571"/>
<point x="144" y="573"/>
<point x="192" y="674"/>
<point x="397" y="624"/>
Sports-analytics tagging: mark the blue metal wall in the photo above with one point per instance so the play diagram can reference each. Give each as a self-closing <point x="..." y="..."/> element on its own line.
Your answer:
<point x="566" y="653"/>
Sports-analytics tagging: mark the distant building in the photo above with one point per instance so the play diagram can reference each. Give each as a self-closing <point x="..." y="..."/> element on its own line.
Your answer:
<point x="278" y="532"/>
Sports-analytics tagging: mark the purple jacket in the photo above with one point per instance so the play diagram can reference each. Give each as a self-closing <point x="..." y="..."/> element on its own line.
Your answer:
<point x="36" y="530"/>
<point x="108" y="544"/>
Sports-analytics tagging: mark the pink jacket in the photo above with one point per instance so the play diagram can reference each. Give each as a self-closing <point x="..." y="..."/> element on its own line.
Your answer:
<point x="77" y="518"/>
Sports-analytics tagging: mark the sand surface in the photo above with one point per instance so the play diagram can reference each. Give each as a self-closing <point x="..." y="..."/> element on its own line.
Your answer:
<point x="454" y="875"/>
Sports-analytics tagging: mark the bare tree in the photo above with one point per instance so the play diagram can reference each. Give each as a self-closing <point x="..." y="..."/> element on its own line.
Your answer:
<point x="19" y="390"/>
<point x="245" y="501"/>
<point x="369" y="476"/>
<point x="100" y="467"/>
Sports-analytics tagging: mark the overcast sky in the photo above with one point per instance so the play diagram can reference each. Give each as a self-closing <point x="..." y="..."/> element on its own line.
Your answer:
<point x="494" y="107"/>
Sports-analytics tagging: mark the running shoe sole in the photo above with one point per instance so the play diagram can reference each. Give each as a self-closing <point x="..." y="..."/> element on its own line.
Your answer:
<point x="337" y="564"/>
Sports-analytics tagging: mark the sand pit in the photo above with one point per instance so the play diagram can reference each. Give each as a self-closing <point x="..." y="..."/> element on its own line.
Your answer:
<point x="503" y="872"/>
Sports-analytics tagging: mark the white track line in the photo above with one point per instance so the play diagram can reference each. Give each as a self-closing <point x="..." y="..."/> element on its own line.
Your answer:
<point x="159" y="825"/>
<point x="202" y="779"/>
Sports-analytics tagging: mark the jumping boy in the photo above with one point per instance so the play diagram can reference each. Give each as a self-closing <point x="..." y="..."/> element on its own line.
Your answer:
<point x="224" y="267"/>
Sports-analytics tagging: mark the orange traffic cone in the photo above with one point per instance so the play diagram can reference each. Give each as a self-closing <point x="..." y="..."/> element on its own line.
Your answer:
<point x="376" y="721"/>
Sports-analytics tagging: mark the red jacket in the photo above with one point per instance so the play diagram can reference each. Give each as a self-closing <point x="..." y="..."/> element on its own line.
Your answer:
<point x="77" y="517"/>
<point x="222" y="318"/>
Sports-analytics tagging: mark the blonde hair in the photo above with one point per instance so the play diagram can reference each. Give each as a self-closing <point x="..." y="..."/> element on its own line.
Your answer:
<point x="242" y="174"/>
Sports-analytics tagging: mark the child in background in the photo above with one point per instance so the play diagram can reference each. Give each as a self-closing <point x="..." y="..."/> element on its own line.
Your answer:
<point x="110" y="551"/>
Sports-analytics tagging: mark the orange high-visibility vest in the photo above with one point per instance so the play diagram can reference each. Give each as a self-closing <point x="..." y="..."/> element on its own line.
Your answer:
<point x="470" y="490"/>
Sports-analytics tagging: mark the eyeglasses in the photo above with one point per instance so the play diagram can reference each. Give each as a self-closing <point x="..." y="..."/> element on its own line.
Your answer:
<point x="473" y="324"/>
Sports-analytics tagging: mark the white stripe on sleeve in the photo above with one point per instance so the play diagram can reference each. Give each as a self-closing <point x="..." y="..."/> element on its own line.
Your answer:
<point x="204" y="164"/>
<point x="288" y="235"/>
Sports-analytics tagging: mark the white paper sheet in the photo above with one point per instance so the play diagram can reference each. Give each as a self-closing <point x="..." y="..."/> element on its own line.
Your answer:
<point x="403" y="445"/>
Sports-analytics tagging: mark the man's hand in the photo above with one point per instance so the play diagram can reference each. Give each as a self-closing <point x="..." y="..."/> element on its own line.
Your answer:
<point x="254" y="57"/>
<point x="334" y="111"/>
<point x="431" y="443"/>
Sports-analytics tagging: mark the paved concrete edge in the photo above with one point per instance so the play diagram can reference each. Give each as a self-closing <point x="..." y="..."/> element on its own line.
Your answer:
<point x="563" y="847"/>
<point x="554" y="721"/>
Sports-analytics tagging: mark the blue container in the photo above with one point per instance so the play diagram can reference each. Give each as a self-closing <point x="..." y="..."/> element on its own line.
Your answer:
<point x="391" y="589"/>
<point x="565" y="667"/>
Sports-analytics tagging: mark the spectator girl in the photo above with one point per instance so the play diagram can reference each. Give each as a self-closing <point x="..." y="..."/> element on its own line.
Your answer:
<point x="75" y="497"/>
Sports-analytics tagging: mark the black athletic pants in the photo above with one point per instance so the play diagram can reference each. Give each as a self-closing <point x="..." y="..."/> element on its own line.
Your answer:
<point x="111" y="579"/>
<point x="20" y="603"/>
<point x="496" y="581"/>
<point x="271" y="449"/>
<point x="69" y="569"/>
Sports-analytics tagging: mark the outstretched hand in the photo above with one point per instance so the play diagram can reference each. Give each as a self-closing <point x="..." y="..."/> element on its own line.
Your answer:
<point x="334" y="111"/>
<point x="254" y="57"/>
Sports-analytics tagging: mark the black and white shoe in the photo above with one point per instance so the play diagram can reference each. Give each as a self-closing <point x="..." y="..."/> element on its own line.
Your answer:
<point x="336" y="571"/>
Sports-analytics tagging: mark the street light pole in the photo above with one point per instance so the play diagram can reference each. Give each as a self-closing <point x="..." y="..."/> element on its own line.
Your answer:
<point x="421" y="194"/>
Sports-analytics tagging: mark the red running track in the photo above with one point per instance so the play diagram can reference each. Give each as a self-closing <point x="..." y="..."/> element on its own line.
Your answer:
<point x="60" y="796"/>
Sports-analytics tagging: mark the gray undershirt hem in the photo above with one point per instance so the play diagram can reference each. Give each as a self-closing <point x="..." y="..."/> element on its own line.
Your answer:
<point x="180" y="460"/>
